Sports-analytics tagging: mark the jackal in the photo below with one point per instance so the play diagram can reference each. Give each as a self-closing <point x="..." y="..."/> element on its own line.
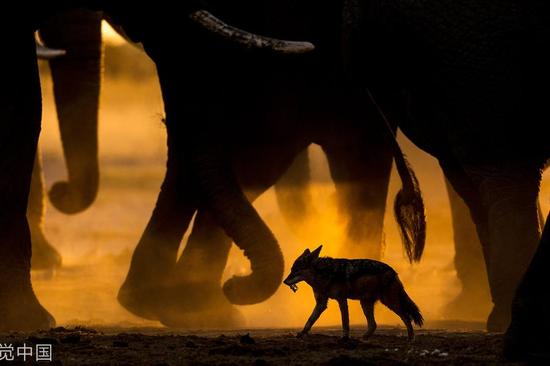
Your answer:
<point x="359" y="279"/>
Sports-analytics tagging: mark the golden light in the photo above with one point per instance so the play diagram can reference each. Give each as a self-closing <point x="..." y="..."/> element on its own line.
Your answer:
<point x="110" y="36"/>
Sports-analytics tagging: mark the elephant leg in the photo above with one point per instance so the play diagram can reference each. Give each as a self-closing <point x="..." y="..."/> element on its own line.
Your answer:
<point x="76" y="85"/>
<point x="21" y="105"/>
<point x="361" y="172"/>
<point x="148" y="282"/>
<point x="44" y="255"/>
<point x="197" y="299"/>
<point x="527" y="338"/>
<point x="469" y="263"/>
<point x="509" y="193"/>
<point x="293" y="193"/>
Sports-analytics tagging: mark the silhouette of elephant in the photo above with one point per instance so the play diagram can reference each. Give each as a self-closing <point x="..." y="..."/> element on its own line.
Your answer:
<point x="526" y="338"/>
<point x="281" y="105"/>
<point x="469" y="75"/>
<point x="19" y="307"/>
<point x="362" y="199"/>
<point x="292" y="195"/>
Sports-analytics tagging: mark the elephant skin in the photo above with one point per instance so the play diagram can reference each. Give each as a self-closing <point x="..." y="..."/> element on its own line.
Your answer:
<point x="253" y="134"/>
<point x="76" y="78"/>
<point x="19" y="308"/>
<point x="470" y="75"/>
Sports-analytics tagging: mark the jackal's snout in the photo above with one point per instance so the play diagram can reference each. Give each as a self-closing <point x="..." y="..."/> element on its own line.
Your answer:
<point x="301" y="267"/>
<point x="292" y="280"/>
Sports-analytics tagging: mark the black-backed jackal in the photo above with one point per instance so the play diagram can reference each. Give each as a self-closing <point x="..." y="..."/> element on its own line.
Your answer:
<point x="359" y="279"/>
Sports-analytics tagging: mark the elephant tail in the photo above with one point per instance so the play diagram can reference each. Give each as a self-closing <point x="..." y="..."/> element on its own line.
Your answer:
<point x="408" y="204"/>
<point x="409" y="211"/>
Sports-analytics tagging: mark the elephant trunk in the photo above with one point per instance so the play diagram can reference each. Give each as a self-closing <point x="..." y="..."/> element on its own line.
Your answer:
<point x="235" y="214"/>
<point x="76" y="78"/>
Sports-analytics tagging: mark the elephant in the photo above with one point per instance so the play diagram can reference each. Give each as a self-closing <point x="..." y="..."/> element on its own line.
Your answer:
<point x="19" y="307"/>
<point x="371" y="233"/>
<point x="291" y="192"/>
<point x="76" y="76"/>
<point x="526" y="338"/>
<point x="466" y="73"/>
<point x="363" y="197"/>
<point x="188" y="294"/>
<point x="254" y="135"/>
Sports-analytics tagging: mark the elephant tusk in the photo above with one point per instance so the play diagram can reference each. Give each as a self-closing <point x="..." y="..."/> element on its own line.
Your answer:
<point x="46" y="53"/>
<point x="247" y="39"/>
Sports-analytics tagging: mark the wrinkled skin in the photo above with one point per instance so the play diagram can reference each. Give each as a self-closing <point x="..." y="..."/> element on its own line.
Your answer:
<point x="472" y="74"/>
<point x="76" y="78"/>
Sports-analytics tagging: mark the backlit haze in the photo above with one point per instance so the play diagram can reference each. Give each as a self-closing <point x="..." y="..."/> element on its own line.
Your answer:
<point x="96" y="245"/>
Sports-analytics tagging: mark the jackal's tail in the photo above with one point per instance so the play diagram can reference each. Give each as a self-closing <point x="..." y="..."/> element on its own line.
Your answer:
<point x="403" y="305"/>
<point x="410" y="308"/>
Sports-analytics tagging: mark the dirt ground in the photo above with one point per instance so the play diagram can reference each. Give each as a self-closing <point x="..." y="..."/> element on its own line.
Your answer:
<point x="154" y="346"/>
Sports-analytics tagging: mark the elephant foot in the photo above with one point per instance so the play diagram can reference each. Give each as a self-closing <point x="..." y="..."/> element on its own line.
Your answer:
<point x="44" y="255"/>
<point x="21" y="311"/>
<point x="468" y="305"/>
<point x="142" y="301"/>
<point x="499" y="319"/>
<point x="527" y="339"/>
<point x="189" y="306"/>
<point x="223" y="317"/>
<point x="150" y="301"/>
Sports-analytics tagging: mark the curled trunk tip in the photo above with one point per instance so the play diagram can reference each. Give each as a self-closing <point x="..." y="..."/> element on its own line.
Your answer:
<point x="69" y="200"/>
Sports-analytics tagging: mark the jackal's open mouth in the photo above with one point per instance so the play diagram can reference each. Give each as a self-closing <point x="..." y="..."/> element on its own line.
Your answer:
<point x="293" y="287"/>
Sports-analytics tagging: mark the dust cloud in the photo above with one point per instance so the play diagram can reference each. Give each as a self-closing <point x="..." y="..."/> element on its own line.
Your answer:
<point x="96" y="245"/>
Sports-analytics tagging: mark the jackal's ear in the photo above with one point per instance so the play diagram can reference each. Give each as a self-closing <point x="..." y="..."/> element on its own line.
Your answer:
<point x="306" y="252"/>
<point x="316" y="252"/>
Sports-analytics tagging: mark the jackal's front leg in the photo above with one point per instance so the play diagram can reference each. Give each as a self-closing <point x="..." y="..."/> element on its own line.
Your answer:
<point x="345" y="317"/>
<point x="320" y="306"/>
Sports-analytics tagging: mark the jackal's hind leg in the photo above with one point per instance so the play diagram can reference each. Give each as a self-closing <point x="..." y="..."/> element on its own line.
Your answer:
<point x="345" y="317"/>
<point x="393" y="304"/>
<point x="317" y="311"/>
<point x="410" y="330"/>
<point x="368" y="309"/>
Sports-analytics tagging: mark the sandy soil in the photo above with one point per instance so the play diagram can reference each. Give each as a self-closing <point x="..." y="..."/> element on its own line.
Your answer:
<point x="151" y="346"/>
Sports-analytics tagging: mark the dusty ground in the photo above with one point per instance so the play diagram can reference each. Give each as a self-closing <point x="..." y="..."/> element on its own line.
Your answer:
<point x="151" y="346"/>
